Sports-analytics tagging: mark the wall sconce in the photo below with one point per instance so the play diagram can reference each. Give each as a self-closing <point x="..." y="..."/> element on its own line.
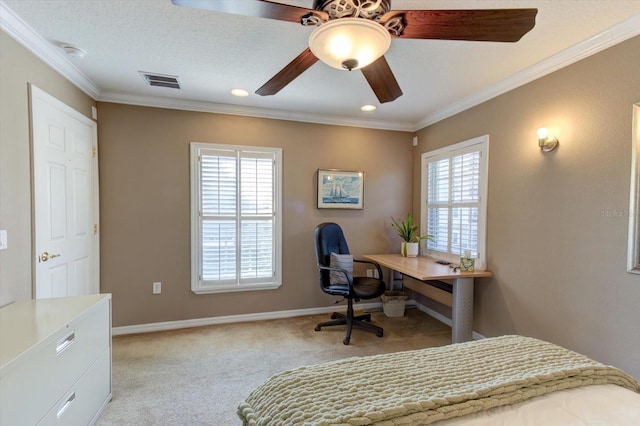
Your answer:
<point x="546" y="142"/>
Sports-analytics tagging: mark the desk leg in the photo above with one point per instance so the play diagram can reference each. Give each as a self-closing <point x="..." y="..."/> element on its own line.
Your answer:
<point x="390" y="279"/>
<point x="462" y="310"/>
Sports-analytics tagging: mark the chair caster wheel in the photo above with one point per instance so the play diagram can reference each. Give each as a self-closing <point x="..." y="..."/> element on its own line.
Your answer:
<point x="346" y="340"/>
<point x="334" y="316"/>
<point x="379" y="333"/>
<point x="317" y="328"/>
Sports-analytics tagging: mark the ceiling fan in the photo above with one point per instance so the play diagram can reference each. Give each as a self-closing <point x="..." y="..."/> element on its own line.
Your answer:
<point x="355" y="34"/>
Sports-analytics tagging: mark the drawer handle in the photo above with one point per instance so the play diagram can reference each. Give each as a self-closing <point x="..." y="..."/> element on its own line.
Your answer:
<point x="66" y="405"/>
<point x="65" y="342"/>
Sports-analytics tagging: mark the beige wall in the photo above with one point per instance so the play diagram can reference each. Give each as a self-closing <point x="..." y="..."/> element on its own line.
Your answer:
<point x="144" y="205"/>
<point x="19" y="67"/>
<point x="559" y="259"/>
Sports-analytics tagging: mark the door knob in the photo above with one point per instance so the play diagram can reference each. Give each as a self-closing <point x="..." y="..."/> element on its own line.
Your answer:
<point x="46" y="256"/>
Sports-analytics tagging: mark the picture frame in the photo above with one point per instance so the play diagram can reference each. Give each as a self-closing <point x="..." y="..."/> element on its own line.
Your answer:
<point x="340" y="189"/>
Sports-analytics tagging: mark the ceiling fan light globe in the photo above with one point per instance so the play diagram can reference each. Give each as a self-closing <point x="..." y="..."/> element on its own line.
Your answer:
<point x="349" y="39"/>
<point x="350" y="64"/>
<point x="339" y="45"/>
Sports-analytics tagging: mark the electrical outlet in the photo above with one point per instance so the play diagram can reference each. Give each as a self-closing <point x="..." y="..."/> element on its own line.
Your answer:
<point x="370" y="272"/>
<point x="375" y="274"/>
<point x="157" y="287"/>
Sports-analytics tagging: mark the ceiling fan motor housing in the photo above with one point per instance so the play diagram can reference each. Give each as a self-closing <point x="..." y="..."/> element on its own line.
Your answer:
<point x="371" y="10"/>
<point x="368" y="9"/>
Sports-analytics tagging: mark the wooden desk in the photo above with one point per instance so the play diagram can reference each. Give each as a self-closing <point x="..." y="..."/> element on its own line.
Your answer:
<point x="424" y="269"/>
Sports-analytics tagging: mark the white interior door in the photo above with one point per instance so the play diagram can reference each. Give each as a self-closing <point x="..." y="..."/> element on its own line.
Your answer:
<point x="64" y="144"/>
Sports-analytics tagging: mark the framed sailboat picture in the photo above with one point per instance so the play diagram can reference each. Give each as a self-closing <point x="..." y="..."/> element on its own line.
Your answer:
<point x="340" y="189"/>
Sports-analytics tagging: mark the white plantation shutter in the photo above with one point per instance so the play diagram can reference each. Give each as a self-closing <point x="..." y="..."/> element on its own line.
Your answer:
<point x="454" y="180"/>
<point x="465" y="199"/>
<point x="235" y="218"/>
<point x="218" y="176"/>
<point x="257" y="215"/>
<point x="438" y="205"/>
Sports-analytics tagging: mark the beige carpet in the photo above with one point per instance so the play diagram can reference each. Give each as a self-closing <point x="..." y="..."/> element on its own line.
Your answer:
<point x="198" y="376"/>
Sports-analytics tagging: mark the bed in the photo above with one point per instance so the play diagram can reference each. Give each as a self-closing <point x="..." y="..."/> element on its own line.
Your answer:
<point x="502" y="380"/>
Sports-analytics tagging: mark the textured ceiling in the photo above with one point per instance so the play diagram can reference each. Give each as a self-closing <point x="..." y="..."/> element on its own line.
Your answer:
<point x="212" y="53"/>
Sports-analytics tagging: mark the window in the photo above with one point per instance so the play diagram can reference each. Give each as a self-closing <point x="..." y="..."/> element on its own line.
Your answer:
<point x="454" y="191"/>
<point x="235" y="218"/>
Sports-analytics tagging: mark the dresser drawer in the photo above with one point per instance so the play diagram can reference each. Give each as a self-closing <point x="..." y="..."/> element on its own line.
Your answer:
<point x="83" y="402"/>
<point x="36" y="382"/>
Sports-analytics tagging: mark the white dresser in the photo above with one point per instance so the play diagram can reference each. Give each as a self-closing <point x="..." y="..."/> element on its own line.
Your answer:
<point x="55" y="359"/>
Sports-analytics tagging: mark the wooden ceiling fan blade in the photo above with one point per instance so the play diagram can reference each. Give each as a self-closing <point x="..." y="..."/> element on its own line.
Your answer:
<point x="257" y="8"/>
<point x="382" y="81"/>
<point x="289" y="73"/>
<point x="502" y="25"/>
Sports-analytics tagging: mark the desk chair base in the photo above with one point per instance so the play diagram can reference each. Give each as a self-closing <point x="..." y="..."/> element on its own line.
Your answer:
<point x="360" y="321"/>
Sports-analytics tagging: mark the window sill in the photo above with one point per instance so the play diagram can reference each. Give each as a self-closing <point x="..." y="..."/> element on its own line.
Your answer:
<point x="235" y="288"/>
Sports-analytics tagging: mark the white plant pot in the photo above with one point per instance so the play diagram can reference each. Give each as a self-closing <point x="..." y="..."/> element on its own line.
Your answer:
<point x="409" y="249"/>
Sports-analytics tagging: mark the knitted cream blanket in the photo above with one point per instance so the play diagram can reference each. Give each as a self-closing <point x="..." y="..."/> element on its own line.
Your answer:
<point x="423" y="386"/>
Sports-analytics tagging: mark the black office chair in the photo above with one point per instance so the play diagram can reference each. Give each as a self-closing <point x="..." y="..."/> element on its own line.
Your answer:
<point x="330" y="239"/>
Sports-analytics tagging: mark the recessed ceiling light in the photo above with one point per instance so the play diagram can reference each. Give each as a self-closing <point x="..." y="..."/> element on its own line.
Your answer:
<point x="368" y="108"/>
<point x="239" y="92"/>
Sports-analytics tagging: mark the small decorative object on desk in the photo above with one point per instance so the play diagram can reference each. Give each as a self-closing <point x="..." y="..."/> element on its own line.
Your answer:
<point x="408" y="231"/>
<point x="467" y="263"/>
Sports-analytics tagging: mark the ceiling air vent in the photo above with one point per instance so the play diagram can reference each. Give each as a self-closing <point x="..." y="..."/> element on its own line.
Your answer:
<point x="160" y="80"/>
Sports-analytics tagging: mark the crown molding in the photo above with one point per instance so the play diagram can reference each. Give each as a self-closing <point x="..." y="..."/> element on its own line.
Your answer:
<point x="28" y="37"/>
<point x="19" y="30"/>
<point x="614" y="35"/>
<point x="274" y="114"/>
<point x="24" y="34"/>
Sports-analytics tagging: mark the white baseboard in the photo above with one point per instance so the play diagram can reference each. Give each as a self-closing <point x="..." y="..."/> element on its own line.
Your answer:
<point x="199" y="322"/>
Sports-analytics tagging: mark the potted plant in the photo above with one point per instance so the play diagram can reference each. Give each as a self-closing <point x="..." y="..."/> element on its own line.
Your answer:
<point x="408" y="231"/>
